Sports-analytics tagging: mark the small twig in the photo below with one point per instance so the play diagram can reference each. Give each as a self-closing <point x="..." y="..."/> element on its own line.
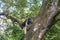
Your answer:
<point x="57" y="20"/>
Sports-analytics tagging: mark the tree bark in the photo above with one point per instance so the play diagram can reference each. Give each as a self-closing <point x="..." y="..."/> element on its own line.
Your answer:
<point x="42" y="22"/>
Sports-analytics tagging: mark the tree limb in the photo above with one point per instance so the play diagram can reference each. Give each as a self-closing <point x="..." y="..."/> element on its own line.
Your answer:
<point x="59" y="8"/>
<point x="14" y="19"/>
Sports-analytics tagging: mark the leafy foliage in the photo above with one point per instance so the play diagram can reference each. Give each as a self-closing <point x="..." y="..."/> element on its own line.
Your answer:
<point x="22" y="9"/>
<point x="14" y="33"/>
<point x="53" y="33"/>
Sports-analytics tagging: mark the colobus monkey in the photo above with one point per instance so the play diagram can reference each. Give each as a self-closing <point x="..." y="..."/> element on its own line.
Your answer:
<point x="25" y="24"/>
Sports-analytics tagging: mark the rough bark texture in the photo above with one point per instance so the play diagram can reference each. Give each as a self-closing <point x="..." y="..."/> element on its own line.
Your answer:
<point x="46" y="16"/>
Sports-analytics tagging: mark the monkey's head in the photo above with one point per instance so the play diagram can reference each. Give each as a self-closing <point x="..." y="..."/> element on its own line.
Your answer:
<point x="26" y="22"/>
<point x="29" y="21"/>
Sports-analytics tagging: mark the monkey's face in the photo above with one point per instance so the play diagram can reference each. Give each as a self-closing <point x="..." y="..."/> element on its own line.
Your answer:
<point x="29" y="21"/>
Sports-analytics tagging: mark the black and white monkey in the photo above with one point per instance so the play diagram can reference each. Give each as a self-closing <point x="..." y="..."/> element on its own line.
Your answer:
<point x="25" y="24"/>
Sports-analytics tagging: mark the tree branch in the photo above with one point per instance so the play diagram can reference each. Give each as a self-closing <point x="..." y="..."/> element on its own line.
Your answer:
<point x="14" y="19"/>
<point x="58" y="8"/>
<point x="57" y="20"/>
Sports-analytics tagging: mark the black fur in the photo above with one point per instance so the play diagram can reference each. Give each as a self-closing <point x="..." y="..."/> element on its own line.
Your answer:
<point x="26" y="22"/>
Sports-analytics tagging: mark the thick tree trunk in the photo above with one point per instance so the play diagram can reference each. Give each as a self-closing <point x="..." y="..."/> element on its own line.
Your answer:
<point x="42" y="21"/>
